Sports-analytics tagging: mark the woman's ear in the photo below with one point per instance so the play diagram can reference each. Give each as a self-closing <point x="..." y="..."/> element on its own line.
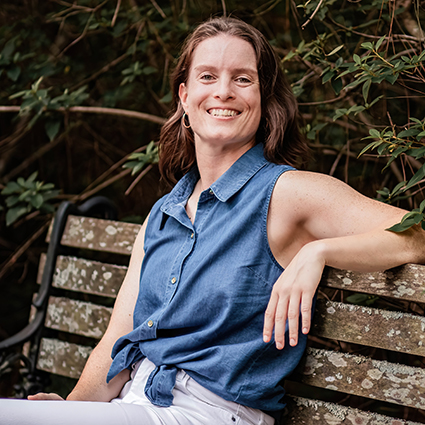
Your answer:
<point x="183" y="96"/>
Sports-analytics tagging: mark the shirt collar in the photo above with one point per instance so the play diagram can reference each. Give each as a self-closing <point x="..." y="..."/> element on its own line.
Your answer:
<point x="226" y="185"/>
<point x="239" y="173"/>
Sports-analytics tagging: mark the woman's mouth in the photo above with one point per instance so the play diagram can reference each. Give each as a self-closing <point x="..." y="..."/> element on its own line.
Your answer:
<point x="223" y="112"/>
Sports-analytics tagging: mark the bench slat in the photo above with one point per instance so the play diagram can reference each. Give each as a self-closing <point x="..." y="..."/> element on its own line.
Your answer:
<point x="306" y="411"/>
<point x="90" y="277"/>
<point x="405" y="283"/>
<point x="77" y="317"/>
<point x="100" y="235"/>
<point x="362" y="376"/>
<point x="373" y="327"/>
<point x="63" y="358"/>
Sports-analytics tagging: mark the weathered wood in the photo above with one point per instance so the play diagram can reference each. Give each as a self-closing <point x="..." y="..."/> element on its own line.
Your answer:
<point x="363" y="376"/>
<point x="62" y="358"/>
<point x="405" y="282"/>
<point x="373" y="327"/>
<point x="90" y="277"/>
<point x="100" y="235"/>
<point x="306" y="411"/>
<point x="77" y="317"/>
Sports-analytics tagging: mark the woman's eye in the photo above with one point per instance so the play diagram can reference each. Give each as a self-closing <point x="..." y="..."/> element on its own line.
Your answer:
<point x="243" y="80"/>
<point x="207" y="77"/>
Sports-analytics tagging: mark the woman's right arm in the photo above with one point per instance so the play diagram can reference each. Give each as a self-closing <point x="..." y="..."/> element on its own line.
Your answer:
<point x="92" y="384"/>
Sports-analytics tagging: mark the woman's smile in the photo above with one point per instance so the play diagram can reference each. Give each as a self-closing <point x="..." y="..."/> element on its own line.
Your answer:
<point x="222" y="94"/>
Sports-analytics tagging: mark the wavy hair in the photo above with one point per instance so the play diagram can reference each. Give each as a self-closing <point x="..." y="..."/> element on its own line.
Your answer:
<point x="279" y="126"/>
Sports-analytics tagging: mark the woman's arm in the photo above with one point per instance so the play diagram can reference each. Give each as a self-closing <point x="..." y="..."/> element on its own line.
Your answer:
<point x="92" y="384"/>
<point x="317" y="221"/>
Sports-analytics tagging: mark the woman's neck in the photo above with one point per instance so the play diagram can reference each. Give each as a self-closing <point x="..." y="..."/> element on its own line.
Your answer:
<point x="214" y="162"/>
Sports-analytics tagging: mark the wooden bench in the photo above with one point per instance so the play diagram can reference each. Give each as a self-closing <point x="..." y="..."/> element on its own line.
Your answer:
<point x="87" y="279"/>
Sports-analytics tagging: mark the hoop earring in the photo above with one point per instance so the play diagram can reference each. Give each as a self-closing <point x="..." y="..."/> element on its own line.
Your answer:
<point x="184" y="120"/>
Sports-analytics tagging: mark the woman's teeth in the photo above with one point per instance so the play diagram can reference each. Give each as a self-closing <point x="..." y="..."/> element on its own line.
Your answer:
<point x="223" y="112"/>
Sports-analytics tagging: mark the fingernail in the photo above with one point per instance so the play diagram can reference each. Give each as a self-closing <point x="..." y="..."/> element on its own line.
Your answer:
<point x="292" y="342"/>
<point x="279" y="346"/>
<point x="305" y="330"/>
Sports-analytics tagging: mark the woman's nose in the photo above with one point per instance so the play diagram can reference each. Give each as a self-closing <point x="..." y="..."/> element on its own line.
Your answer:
<point x="224" y="89"/>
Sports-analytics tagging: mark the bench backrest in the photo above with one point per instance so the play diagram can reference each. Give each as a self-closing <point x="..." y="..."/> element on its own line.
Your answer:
<point x="338" y="328"/>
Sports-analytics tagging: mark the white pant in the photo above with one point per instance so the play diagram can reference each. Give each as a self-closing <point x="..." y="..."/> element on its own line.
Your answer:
<point x="192" y="405"/>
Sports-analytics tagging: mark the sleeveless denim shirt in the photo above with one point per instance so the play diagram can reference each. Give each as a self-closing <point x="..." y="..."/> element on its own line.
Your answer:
<point x="204" y="288"/>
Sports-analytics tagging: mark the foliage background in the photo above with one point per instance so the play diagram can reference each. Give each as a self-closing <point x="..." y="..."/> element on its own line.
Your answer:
<point x="356" y="67"/>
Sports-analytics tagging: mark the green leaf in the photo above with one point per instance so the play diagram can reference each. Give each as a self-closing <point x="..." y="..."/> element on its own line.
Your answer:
<point x="419" y="175"/>
<point x="391" y="78"/>
<point x="37" y="201"/>
<point x="337" y="49"/>
<point x="52" y="129"/>
<point x="399" y="227"/>
<point x="379" y="42"/>
<point x="14" y="73"/>
<point x="409" y="132"/>
<point x="367" y="46"/>
<point x="11" y="187"/>
<point x="14" y="213"/>
<point x="365" y="89"/>
<point x="337" y="86"/>
<point x="375" y="133"/>
<point x="357" y="59"/>
<point x="372" y="145"/>
<point x="12" y="201"/>
<point x="327" y="76"/>
<point x="167" y="98"/>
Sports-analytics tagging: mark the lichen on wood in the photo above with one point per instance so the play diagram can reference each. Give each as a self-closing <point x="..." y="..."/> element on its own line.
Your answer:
<point x="81" y="318"/>
<point x="100" y="235"/>
<point x="62" y="358"/>
<point x="390" y="330"/>
<point x="306" y="411"/>
<point x="362" y="376"/>
<point x="405" y="282"/>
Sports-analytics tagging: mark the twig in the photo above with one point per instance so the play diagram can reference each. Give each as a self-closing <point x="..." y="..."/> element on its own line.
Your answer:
<point x="100" y="110"/>
<point x="312" y="16"/>
<point x="101" y="186"/>
<point x="118" y="112"/>
<point x="138" y="178"/>
<point x="160" y="11"/>
<point x="15" y="256"/>
<point x="117" y="9"/>
<point x="101" y="71"/>
<point x="38" y="154"/>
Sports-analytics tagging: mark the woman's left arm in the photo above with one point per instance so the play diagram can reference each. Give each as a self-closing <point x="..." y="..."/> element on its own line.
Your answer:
<point x="317" y="221"/>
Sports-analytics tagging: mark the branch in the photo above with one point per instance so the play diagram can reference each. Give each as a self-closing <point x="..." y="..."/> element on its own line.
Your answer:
<point x="100" y="110"/>
<point x="312" y="15"/>
<point x="15" y="256"/>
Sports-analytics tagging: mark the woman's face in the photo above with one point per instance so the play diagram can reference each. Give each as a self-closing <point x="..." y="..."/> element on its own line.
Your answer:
<point x="222" y="94"/>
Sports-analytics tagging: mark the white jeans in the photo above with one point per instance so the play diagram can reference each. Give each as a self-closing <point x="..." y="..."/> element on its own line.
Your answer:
<point x="192" y="405"/>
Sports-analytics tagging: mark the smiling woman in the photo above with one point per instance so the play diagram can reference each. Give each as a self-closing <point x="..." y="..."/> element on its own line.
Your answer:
<point x="207" y="322"/>
<point x="222" y="98"/>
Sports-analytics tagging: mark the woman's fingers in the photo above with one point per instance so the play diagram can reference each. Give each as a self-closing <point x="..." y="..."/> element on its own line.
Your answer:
<point x="280" y="322"/>
<point x="45" y="396"/>
<point x="269" y="316"/>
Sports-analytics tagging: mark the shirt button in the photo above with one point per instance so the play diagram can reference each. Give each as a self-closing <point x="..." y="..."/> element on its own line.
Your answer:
<point x="192" y="235"/>
<point x="211" y="192"/>
<point x="173" y="280"/>
<point x="150" y="323"/>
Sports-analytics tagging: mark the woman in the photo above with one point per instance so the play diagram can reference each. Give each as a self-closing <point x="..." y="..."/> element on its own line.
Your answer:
<point x="231" y="256"/>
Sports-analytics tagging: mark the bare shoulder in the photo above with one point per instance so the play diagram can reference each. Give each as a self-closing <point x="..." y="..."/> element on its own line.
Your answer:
<point x="307" y="206"/>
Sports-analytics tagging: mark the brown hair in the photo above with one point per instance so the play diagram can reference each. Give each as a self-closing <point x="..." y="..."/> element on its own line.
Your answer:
<point x="278" y="130"/>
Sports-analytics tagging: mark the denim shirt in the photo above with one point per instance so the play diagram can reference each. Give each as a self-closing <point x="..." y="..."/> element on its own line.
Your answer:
<point x="204" y="288"/>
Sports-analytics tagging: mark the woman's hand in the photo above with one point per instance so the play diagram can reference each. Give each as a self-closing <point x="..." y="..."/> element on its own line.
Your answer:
<point x="295" y="287"/>
<point x="45" y="396"/>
